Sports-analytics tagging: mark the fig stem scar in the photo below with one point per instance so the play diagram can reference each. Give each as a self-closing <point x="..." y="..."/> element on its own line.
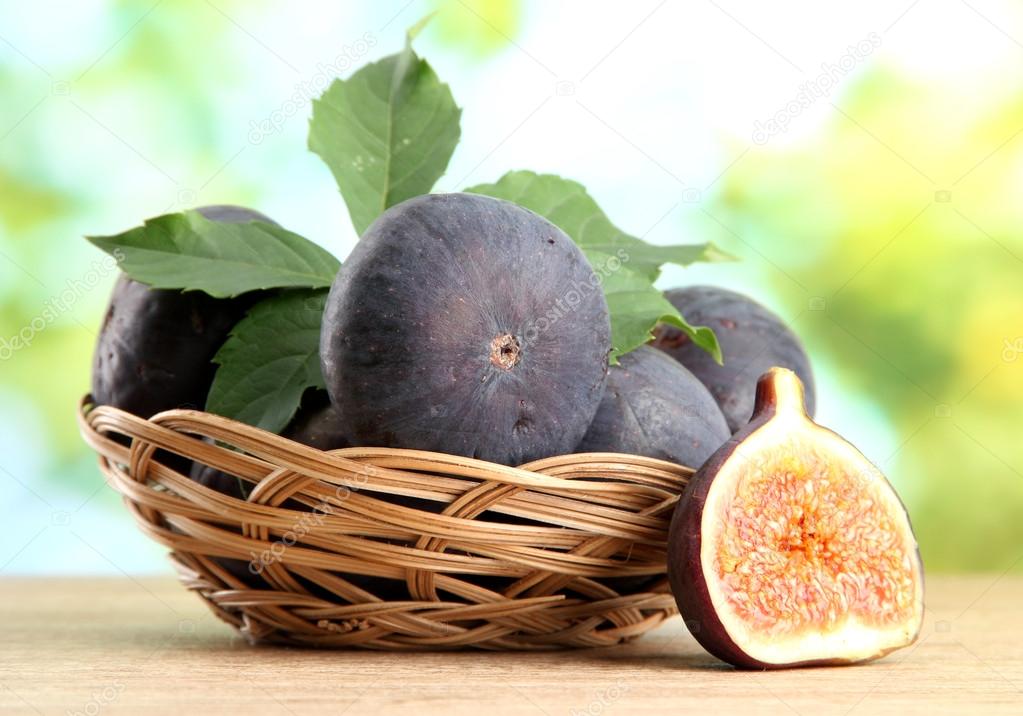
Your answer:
<point x="505" y="351"/>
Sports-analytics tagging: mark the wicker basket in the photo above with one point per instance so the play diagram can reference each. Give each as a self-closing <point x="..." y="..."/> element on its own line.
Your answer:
<point x="336" y="549"/>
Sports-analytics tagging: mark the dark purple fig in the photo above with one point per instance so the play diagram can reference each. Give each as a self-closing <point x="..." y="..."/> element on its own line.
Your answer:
<point x="466" y="325"/>
<point x="654" y="407"/>
<point x="789" y="548"/>
<point x="156" y="346"/>
<point x="316" y="424"/>
<point x="752" y="340"/>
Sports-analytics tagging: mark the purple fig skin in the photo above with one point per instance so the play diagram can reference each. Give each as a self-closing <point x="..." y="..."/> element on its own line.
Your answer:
<point x="654" y="407"/>
<point x="752" y="340"/>
<point x="685" y="542"/>
<point x="685" y="567"/>
<point x="316" y="424"/>
<point x="156" y="346"/>
<point x="466" y="325"/>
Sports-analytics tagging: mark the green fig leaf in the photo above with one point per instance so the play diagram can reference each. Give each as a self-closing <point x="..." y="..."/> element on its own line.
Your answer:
<point x="269" y="360"/>
<point x="637" y="307"/>
<point x="386" y="133"/>
<point x="566" y="204"/>
<point x="190" y="252"/>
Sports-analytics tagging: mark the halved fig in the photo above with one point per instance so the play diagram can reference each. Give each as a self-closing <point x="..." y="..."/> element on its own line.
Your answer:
<point x="789" y="548"/>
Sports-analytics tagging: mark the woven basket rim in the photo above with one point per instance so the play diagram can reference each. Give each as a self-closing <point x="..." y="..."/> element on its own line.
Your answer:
<point x="560" y="530"/>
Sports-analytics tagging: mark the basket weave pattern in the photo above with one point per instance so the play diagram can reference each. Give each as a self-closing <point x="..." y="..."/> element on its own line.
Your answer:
<point x="337" y="549"/>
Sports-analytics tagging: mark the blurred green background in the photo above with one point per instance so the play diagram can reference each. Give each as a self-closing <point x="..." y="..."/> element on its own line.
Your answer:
<point x="864" y="162"/>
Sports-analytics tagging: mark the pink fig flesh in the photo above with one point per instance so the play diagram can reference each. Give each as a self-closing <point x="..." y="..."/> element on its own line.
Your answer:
<point x="789" y="548"/>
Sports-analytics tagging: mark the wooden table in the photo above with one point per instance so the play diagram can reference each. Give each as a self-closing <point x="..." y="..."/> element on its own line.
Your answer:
<point x="146" y="646"/>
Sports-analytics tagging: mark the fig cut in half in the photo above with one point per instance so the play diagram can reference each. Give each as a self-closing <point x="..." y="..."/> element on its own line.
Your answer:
<point x="789" y="548"/>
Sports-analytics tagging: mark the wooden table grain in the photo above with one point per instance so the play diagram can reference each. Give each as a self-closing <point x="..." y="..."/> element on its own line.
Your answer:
<point x="147" y="646"/>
